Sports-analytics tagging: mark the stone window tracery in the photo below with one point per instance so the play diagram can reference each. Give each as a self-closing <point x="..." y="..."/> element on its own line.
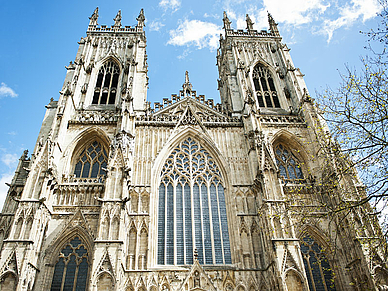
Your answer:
<point x="71" y="269"/>
<point x="318" y="271"/>
<point x="266" y="93"/>
<point x="92" y="161"/>
<point x="289" y="165"/>
<point x="106" y="85"/>
<point x="192" y="210"/>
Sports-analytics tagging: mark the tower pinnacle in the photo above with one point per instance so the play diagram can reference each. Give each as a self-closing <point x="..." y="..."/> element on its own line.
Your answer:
<point x="226" y="20"/>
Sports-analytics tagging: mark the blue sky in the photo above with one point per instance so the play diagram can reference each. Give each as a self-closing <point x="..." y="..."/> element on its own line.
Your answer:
<point x="39" y="38"/>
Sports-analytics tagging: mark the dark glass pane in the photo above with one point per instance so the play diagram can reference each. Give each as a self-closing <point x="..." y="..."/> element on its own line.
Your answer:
<point x="206" y="225"/>
<point x="308" y="274"/>
<point x="197" y="223"/>
<point x="264" y="84"/>
<point x="81" y="251"/>
<point x="82" y="275"/>
<point x="257" y="84"/>
<point x="103" y="166"/>
<point x="112" y="97"/>
<point x="93" y="155"/>
<point x="67" y="251"/>
<point x="216" y="225"/>
<point x="188" y="231"/>
<point x="104" y="97"/>
<point x="115" y="80"/>
<point x="268" y="100"/>
<point x="85" y="171"/>
<point x="77" y="170"/>
<point x="161" y="225"/>
<point x="99" y="78"/>
<point x="58" y="274"/>
<point x="179" y="226"/>
<point x="96" y="96"/>
<point x="271" y="84"/>
<point x="224" y="225"/>
<point x="95" y="170"/>
<point x="107" y="80"/>
<point x="260" y="100"/>
<point x="170" y="226"/>
<point x="276" y="100"/>
<point x="70" y="274"/>
<point x="315" y="270"/>
<point x="75" y="242"/>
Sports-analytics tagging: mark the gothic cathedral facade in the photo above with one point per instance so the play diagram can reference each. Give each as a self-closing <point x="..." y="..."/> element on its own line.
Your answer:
<point x="185" y="194"/>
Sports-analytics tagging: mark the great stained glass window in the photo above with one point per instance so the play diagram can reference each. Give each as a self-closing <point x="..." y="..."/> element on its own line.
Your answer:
<point x="106" y="85"/>
<point x="71" y="269"/>
<point x="91" y="162"/>
<point x="318" y="271"/>
<point x="192" y="210"/>
<point x="288" y="163"/>
<point x="265" y="88"/>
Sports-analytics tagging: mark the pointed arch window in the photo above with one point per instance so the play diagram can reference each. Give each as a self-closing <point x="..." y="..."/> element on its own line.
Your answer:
<point x="289" y="165"/>
<point x="71" y="269"/>
<point x="106" y="86"/>
<point x="192" y="210"/>
<point x="318" y="271"/>
<point x="266" y="93"/>
<point x="92" y="161"/>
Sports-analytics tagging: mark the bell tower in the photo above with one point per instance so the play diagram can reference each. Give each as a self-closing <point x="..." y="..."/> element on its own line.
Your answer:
<point x="256" y="71"/>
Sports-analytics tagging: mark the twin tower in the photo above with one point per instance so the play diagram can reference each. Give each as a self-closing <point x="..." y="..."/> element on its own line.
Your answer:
<point x="184" y="194"/>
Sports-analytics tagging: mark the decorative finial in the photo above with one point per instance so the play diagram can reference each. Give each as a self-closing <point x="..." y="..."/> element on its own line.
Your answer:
<point x="273" y="26"/>
<point x="226" y="20"/>
<point x="195" y="255"/>
<point x="94" y="17"/>
<point x="117" y="19"/>
<point x="140" y="19"/>
<point x="249" y="23"/>
<point x="187" y="87"/>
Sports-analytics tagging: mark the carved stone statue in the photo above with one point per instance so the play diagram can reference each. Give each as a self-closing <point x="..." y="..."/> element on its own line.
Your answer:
<point x="94" y="17"/>
<point x="227" y="22"/>
<point x="249" y="23"/>
<point x="117" y="19"/>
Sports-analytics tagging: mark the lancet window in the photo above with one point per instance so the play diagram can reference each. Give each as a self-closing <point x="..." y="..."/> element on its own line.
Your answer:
<point x="318" y="271"/>
<point x="289" y="165"/>
<point x="71" y="269"/>
<point x="192" y="211"/>
<point x="92" y="161"/>
<point x="106" y="86"/>
<point x="266" y="93"/>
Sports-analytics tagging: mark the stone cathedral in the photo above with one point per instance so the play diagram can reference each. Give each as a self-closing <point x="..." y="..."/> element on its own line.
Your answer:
<point x="183" y="194"/>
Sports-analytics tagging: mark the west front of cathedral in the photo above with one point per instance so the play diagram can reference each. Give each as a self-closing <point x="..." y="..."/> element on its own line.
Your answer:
<point x="184" y="194"/>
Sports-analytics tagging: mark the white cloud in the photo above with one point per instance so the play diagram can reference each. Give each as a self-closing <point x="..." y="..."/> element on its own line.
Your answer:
<point x="322" y="16"/>
<point x="10" y="160"/>
<point x="350" y="13"/>
<point x="5" y="178"/>
<point x="6" y="91"/>
<point x="195" y="32"/>
<point x="170" y="4"/>
<point x="155" y="25"/>
<point x="12" y="133"/>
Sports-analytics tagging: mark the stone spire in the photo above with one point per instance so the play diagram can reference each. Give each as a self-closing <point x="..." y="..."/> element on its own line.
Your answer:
<point x="94" y="17"/>
<point x="273" y="26"/>
<point x="117" y="20"/>
<point x="187" y="87"/>
<point x="227" y="22"/>
<point x="249" y="23"/>
<point x="140" y="19"/>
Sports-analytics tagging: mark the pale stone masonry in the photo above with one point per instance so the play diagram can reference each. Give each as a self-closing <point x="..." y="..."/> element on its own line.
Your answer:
<point x="184" y="194"/>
